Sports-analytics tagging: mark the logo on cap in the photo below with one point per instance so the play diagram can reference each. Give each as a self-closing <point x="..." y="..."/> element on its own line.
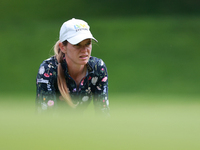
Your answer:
<point x="80" y="27"/>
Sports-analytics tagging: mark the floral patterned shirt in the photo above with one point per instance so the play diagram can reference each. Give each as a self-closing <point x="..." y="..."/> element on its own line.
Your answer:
<point x="94" y="86"/>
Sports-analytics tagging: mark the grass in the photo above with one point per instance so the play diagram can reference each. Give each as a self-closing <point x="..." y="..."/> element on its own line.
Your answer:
<point x="137" y="122"/>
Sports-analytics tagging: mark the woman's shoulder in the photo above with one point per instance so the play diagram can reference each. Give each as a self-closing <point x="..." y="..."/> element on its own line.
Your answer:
<point x="50" y="62"/>
<point x="97" y="64"/>
<point x="94" y="61"/>
<point x="48" y="67"/>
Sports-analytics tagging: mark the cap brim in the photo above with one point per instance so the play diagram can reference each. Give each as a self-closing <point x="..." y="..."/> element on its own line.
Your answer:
<point x="78" y="38"/>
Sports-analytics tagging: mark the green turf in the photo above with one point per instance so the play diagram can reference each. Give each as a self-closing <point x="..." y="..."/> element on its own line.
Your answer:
<point x="167" y="122"/>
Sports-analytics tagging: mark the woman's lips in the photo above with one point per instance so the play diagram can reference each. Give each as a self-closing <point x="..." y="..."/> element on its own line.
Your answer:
<point x="84" y="57"/>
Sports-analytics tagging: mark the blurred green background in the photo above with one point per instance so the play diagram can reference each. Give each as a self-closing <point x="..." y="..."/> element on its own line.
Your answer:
<point x="148" y="46"/>
<point x="151" y="49"/>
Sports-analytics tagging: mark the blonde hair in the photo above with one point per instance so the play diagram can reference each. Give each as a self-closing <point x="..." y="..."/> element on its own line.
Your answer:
<point x="62" y="86"/>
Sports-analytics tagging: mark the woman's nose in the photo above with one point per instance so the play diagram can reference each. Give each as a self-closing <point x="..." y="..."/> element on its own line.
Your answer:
<point x="84" y="48"/>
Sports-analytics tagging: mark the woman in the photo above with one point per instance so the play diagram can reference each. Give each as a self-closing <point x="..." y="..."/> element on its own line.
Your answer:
<point x="72" y="77"/>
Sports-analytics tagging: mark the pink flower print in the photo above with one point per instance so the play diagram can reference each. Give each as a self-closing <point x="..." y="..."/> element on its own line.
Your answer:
<point x="50" y="103"/>
<point x="104" y="79"/>
<point x="82" y="82"/>
<point x="102" y="69"/>
<point x="46" y="75"/>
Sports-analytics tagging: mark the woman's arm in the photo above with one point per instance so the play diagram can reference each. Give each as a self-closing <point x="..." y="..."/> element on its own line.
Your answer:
<point x="100" y="100"/>
<point x="46" y="95"/>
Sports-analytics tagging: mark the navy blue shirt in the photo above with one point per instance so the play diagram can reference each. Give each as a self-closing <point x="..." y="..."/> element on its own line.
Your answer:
<point x="94" y="86"/>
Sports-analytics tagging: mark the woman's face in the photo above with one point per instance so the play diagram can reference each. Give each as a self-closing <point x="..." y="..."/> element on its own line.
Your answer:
<point x="78" y="54"/>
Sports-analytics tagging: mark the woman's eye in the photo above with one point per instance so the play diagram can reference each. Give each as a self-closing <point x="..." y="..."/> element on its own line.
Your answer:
<point x="88" y="43"/>
<point x="77" y="45"/>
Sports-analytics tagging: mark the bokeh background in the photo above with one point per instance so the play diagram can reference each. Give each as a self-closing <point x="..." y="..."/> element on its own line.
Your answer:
<point x="148" y="46"/>
<point x="151" y="49"/>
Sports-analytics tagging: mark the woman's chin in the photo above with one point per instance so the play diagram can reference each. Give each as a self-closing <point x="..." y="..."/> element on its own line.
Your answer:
<point x="83" y="61"/>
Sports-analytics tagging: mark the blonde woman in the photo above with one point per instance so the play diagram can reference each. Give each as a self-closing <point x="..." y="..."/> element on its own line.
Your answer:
<point x="72" y="77"/>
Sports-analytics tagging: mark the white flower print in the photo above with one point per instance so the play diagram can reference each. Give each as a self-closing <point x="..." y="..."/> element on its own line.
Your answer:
<point x="48" y="59"/>
<point x="88" y="90"/>
<point x="85" y="98"/>
<point x="41" y="70"/>
<point x="107" y="102"/>
<point x="42" y="81"/>
<point x="104" y="89"/>
<point x="94" y="80"/>
<point x="44" y="106"/>
<point x="102" y="63"/>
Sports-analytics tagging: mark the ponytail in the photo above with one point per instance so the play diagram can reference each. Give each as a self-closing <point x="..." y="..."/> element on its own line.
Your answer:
<point x="62" y="86"/>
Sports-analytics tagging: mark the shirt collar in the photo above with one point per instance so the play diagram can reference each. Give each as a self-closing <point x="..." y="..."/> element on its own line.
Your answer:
<point x="90" y="66"/>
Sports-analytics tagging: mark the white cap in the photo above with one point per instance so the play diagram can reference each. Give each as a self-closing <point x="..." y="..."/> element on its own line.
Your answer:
<point x="75" y="31"/>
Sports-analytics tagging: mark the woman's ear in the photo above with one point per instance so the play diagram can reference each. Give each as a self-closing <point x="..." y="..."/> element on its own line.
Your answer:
<point x="62" y="47"/>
